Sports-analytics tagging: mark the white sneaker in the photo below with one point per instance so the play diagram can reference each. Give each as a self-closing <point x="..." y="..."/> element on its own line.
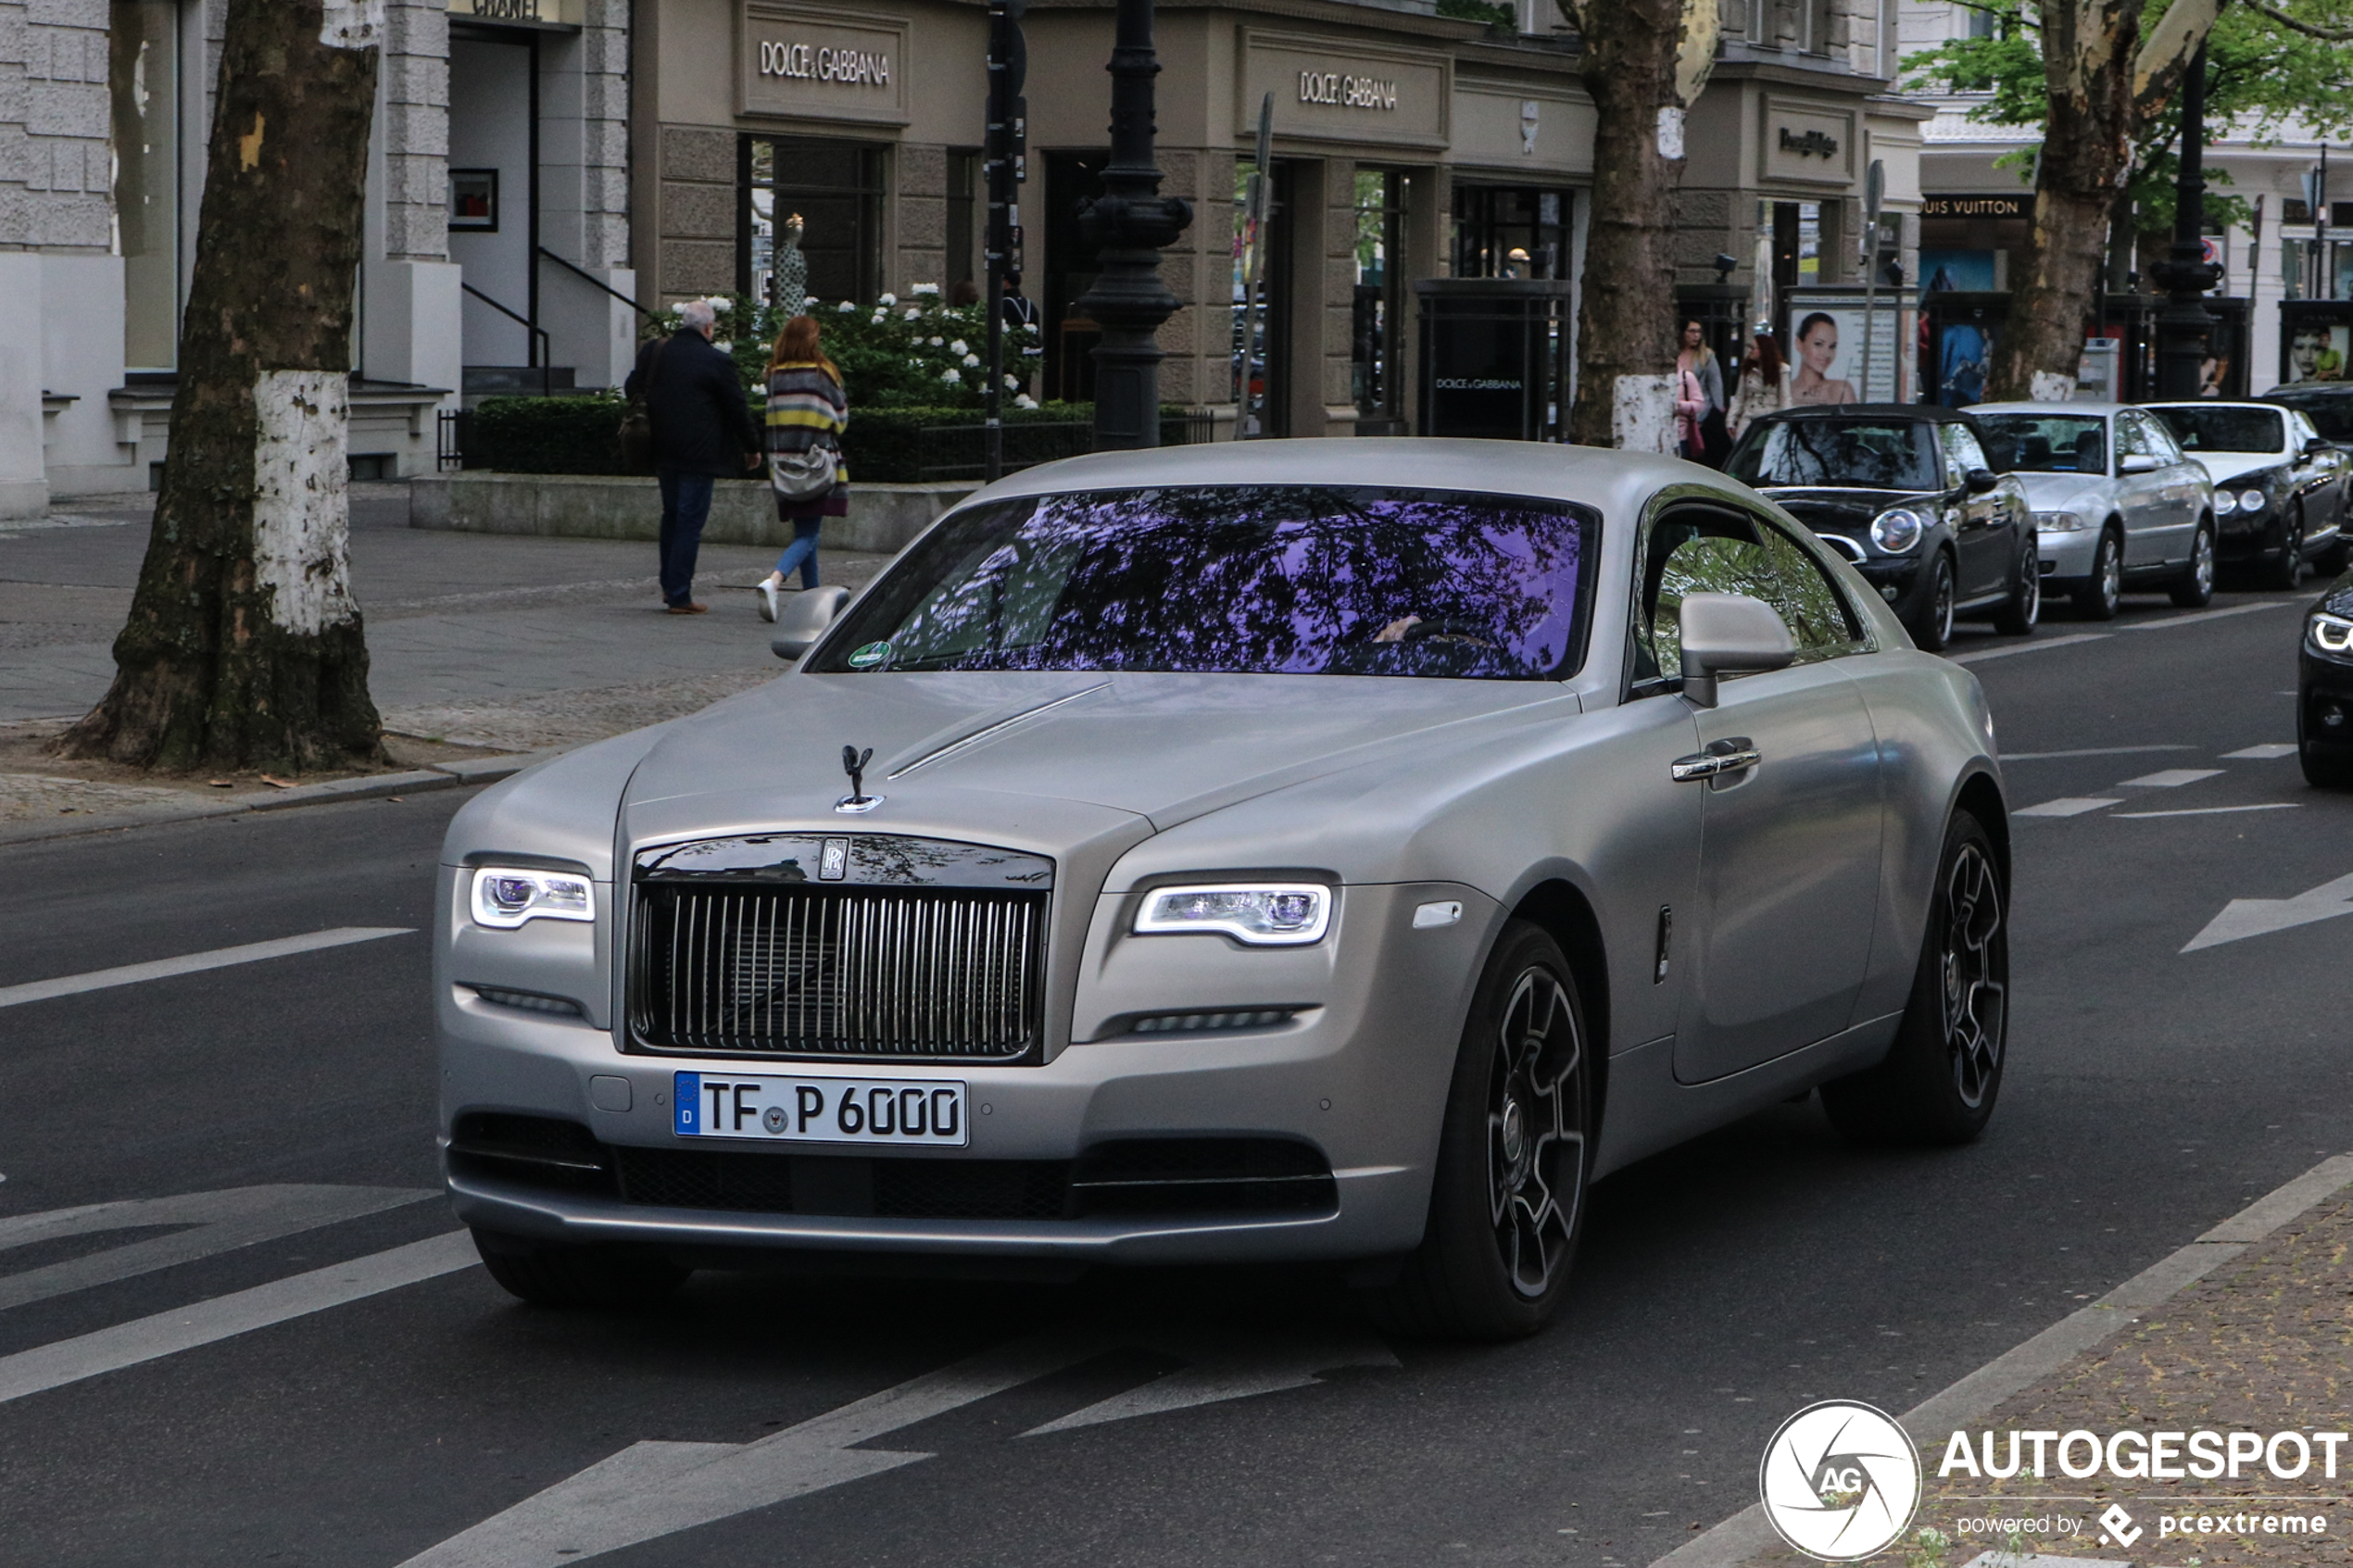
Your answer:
<point x="768" y="602"/>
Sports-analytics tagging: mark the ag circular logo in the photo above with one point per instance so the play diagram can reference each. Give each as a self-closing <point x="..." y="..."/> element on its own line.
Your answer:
<point x="1840" y="1481"/>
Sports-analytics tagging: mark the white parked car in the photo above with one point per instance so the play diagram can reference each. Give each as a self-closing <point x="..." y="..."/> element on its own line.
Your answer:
<point x="2117" y="504"/>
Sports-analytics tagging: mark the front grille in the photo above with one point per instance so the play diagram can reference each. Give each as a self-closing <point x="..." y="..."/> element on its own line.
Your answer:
<point x="534" y="1150"/>
<point x="852" y="1185"/>
<point x="928" y="973"/>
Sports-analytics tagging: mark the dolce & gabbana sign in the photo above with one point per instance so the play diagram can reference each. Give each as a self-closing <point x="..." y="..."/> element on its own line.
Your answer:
<point x="1331" y="88"/>
<point x="822" y="65"/>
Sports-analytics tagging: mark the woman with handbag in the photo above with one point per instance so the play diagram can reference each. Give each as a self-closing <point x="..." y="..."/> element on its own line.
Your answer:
<point x="807" y="412"/>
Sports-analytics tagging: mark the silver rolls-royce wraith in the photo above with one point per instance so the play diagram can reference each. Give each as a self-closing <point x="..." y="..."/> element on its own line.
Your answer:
<point x="1338" y="850"/>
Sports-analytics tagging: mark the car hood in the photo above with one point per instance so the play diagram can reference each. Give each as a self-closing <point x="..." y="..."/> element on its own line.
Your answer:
<point x="949" y="745"/>
<point x="2221" y="466"/>
<point x="2049" y="492"/>
<point x="1844" y="511"/>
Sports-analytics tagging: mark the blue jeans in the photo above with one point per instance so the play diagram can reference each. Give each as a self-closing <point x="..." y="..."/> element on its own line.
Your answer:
<point x="686" y="506"/>
<point x="801" y="552"/>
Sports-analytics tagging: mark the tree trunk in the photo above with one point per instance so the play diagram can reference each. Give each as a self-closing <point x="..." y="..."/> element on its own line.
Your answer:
<point x="243" y="647"/>
<point x="2101" y="79"/>
<point x="1643" y="63"/>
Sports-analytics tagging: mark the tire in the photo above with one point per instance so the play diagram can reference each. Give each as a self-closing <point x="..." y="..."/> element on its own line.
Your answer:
<point x="1941" y="1078"/>
<point x="2024" y="606"/>
<point x="2286" y="574"/>
<point x="2196" y="589"/>
<point x="2334" y="558"/>
<point x="2104" y="590"/>
<point x="1933" y="629"/>
<point x="1507" y="1198"/>
<point x="577" y="1276"/>
<point x="2322" y="770"/>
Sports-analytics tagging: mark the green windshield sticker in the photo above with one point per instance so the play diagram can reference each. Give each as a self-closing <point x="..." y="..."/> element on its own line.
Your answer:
<point x="870" y="655"/>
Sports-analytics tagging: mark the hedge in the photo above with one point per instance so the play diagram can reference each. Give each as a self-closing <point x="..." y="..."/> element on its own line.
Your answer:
<point x="882" y="445"/>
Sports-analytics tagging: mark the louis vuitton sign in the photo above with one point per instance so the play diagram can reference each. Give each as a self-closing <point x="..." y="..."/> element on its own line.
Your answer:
<point x="822" y="65"/>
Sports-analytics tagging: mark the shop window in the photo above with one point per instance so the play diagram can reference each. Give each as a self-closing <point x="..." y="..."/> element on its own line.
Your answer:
<point x="1375" y="360"/>
<point x="144" y="85"/>
<point x="1511" y="232"/>
<point x="1797" y="244"/>
<point x="836" y="187"/>
<point x="963" y="188"/>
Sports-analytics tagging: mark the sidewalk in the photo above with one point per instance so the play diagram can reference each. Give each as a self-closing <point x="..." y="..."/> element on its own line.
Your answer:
<point x="2262" y="1344"/>
<point x="478" y="643"/>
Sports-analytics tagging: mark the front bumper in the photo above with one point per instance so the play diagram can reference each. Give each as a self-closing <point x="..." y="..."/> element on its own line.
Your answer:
<point x="2240" y="538"/>
<point x="2068" y="556"/>
<point x="1360" y="1076"/>
<point x="2323" y="685"/>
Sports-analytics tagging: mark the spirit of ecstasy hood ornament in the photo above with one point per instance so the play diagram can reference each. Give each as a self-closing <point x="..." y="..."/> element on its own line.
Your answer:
<point x="853" y="763"/>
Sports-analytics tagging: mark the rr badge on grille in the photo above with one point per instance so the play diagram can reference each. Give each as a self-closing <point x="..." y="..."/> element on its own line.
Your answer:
<point x="833" y="862"/>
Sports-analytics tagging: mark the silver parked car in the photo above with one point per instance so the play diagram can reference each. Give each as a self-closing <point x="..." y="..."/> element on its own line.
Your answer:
<point x="2279" y="486"/>
<point x="1338" y="850"/>
<point x="2117" y="504"/>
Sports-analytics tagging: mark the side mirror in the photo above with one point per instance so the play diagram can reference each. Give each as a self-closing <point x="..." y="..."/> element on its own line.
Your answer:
<point x="1729" y="632"/>
<point x="2319" y="446"/>
<point x="2139" y="462"/>
<point x="1981" y="480"/>
<point x="805" y="620"/>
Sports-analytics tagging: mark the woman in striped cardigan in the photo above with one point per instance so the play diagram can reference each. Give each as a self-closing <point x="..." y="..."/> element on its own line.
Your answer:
<point x="806" y="409"/>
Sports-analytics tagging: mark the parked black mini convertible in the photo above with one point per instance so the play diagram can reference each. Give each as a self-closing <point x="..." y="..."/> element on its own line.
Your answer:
<point x="1907" y="493"/>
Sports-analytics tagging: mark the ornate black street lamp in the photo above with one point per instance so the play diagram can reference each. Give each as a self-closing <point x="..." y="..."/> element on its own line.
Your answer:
<point x="2183" y="326"/>
<point x="1128" y="226"/>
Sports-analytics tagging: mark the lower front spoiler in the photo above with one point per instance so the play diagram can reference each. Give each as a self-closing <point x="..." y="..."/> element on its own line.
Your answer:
<point x="1381" y="1213"/>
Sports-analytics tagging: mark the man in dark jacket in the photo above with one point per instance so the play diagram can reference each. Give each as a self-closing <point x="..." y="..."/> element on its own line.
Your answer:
<point x="703" y="431"/>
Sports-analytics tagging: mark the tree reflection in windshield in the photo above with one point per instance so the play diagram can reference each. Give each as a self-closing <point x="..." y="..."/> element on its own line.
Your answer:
<point x="1242" y="579"/>
<point x="1847" y="454"/>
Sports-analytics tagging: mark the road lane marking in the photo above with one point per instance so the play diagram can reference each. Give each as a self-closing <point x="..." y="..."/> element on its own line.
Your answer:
<point x="194" y="963"/>
<point x="2090" y="751"/>
<point x="224" y="1317"/>
<point x="2066" y="806"/>
<point x="1981" y="655"/>
<point x="2170" y="778"/>
<point x="652" y="1489"/>
<point x="1970" y="1400"/>
<point x="2270" y="751"/>
<point x="2212" y="810"/>
<point x="218" y="1221"/>
<point x="2242" y="918"/>
<point x="2205" y="615"/>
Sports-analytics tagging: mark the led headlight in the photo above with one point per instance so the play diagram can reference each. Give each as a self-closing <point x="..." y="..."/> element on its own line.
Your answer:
<point x="505" y="898"/>
<point x="2330" y="633"/>
<point x="2060" y="522"/>
<point x="1272" y="914"/>
<point x="2226" y="503"/>
<point x="1897" y="529"/>
<point x="2250" y="501"/>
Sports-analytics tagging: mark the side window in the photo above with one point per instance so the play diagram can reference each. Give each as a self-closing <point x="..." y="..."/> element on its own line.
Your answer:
<point x="1962" y="452"/>
<point x="1722" y="553"/>
<point x="2129" y="440"/>
<point x="2161" y="440"/>
<point x="1817" y="615"/>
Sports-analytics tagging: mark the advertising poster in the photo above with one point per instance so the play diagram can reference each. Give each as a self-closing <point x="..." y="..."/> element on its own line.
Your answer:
<point x="2314" y="351"/>
<point x="1825" y="349"/>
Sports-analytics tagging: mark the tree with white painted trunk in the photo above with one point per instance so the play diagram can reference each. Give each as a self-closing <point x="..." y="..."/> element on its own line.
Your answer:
<point x="1644" y="63"/>
<point x="243" y="647"/>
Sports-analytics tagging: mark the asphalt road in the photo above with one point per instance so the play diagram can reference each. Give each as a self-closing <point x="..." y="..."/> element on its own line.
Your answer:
<point x="163" y="1397"/>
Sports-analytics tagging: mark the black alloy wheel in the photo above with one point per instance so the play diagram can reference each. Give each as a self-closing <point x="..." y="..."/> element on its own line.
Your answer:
<point x="1934" y="627"/>
<point x="2024" y="606"/>
<point x="1507" y="1198"/>
<point x="2102" y="592"/>
<point x="1941" y="1078"/>
<point x="2196" y="589"/>
<point x="2287" y="573"/>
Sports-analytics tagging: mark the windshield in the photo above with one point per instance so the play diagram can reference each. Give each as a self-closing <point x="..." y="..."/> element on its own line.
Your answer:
<point x="2223" y="430"/>
<point x="1279" y="579"/>
<point x="2331" y="412"/>
<point x="1853" y="454"/>
<point x="2048" y="443"/>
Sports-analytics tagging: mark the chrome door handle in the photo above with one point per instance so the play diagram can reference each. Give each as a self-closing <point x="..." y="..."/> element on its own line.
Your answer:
<point x="1721" y="757"/>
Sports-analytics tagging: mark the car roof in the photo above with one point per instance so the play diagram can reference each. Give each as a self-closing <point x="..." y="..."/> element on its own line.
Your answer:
<point x="2211" y="402"/>
<point x="1930" y="413"/>
<point x="2308" y="389"/>
<point x="2024" y="407"/>
<point x="1616" y="483"/>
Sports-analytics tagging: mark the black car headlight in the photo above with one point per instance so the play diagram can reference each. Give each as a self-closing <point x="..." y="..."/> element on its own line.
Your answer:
<point x="2330" y="633"/>
<point x="1897" y="529"/>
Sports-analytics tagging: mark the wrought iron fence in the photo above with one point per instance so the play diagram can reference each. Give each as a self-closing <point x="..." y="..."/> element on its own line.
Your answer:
<point x="450" y="438"/>
<point x="960" y="451"/>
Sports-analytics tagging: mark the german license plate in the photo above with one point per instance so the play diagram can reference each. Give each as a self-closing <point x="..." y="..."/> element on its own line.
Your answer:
<point x="921" y="1112"/>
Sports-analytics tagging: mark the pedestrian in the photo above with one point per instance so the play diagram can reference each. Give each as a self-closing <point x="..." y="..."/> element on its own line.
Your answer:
<point x="703" y="431"/>
<point x="1691" y="409"/>
<point x="807" y="412"/>
<point x="1764" y="385"/>
<point x="1701" y="361"/>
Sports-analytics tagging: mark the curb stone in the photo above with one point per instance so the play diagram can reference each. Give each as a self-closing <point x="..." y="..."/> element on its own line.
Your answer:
<point x="1734" y="1542"/>
<point x="455" y="774"/>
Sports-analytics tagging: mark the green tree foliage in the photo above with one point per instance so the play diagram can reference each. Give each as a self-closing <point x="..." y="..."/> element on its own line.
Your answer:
<point x="2263" y="80"/>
